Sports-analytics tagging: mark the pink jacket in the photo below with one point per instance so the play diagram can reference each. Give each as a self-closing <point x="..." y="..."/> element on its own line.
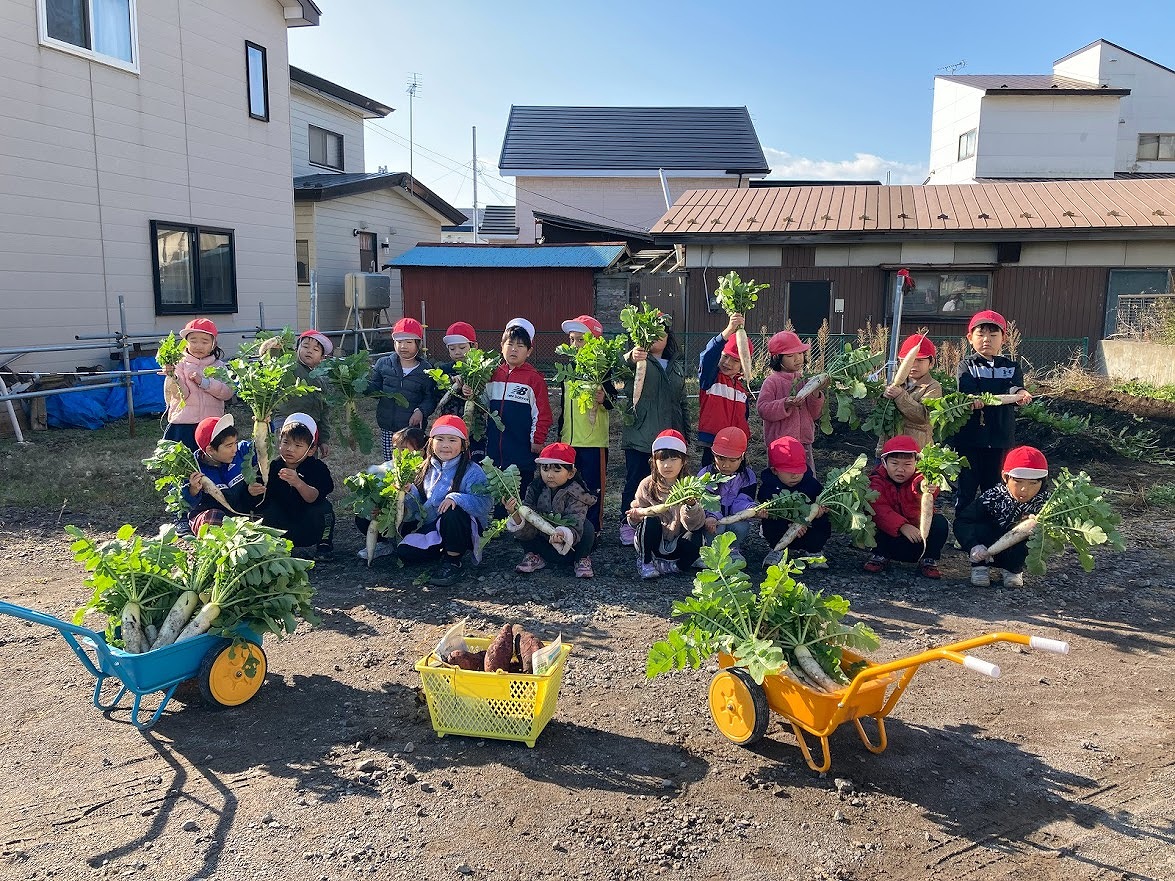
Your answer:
<point x="199" y="401"/>
<point x="781" y="418"/>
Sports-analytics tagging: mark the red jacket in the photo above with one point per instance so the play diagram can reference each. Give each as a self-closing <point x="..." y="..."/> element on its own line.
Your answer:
<point x="519" y="396"/>
<point x="722" y="400"/>
<point x="897" y="503"/>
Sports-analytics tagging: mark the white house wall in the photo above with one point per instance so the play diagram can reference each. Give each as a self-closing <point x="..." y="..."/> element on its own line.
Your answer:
<point x="956" y="111"/>
<point x="90" y="154"/>
<point x="307" y="108"/>
<point x="1047" y="136"/>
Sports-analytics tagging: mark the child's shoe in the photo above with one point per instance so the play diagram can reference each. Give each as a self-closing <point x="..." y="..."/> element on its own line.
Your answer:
<point x="583" y="568"/>
<point x="875" y="563"/>
<point x="736" y="554"/>
<point x="647" y="571"/>
<point x="532" y="562"/>
<point x="773" y="558"/>
<point x="1013" y="579"/>
<point x="980" y="576"/>
<point x="667" y="567"/>
<point x="325" y="550"/>
<point x="382" y="549"/>
<point x="447" y="572"/>
<point x="928" y="568"/>
<point x="627" y="534"/>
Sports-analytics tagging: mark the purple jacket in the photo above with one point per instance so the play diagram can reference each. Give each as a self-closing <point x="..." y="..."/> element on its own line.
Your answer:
<point x="736" y="494"/>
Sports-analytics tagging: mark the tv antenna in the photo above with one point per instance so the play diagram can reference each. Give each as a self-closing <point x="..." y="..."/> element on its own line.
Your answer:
<point x="953" y="68"/>
<point x="413" y="90"/>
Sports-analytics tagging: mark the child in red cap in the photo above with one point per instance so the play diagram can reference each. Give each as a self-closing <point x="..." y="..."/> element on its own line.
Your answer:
<point x="561" y="493"/>
<point x="459" y="338"/>
<point x="898" y="511"/>
<point x="991" y="431"/>
<point x="199" y="396"/>
<point x="313" y="348"/>
<point x="402" y="373"/>
<point x="918" y="386"/>
<point x="782" y="415"/>
<point x="722" y="395"/>
<point x="999" y="509"/>
<point x="788" y="469"/>
<point x="736" y="493"/>
<point x="670" y="541"/>
<point x="222" y="456"/>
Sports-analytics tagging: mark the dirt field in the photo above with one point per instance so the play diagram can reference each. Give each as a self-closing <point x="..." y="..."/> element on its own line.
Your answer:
<point x="1061" y="769"/>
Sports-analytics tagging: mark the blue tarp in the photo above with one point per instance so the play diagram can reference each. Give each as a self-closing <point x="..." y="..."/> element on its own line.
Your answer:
<point x="93" y="408"/>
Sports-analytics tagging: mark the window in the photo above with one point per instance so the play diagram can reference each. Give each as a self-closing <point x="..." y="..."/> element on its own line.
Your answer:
<point x="1131" y="291"/>
<point x="195" y="269"/>
<point x="257" y="75"/>
<point x="1156" y="146"/>
<point x="326" y="148"/>
<point x="943" y="295"/>
<point x="967" y="144"/>
<point x="101" y="30"/>
<point x="367" y="259"/>
<point x="302" y="255"/>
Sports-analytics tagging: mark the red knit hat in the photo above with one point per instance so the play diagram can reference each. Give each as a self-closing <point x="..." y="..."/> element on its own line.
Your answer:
<point x="407" y="329"/>
<point x="987" y="316"/>
<point x="786" y="343"/>
<point x="787" y="454"/>
<point x="731" y="348"/>
<point x="210" y="427"/>
<point x="1026" y="463"/>
<point x="453" y="426"/>
<point x="730" y="442"/>
<point x="583" y="324"/>
<point x="926" y="349"/>
<point x="199" y="325"/>
<point x="670" y="439"/>
<point x="557" y="454"/>
<point x="903" y="443"/>
<point x="460" y="332"/>
<point x="320" y="338"/>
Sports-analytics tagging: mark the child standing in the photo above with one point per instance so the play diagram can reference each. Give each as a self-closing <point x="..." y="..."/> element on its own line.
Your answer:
<point x="918" y="386"/>
<point x="403" y="372"/>
<point x="898" y="510"/>
<point x="590" y="440"/>
<point x="999" y="509"/>
<point x="313" y="347"/>
<point x="991" y="431"/>
<point x="670" y="541"/>
<point x="562" y="493"/>
<point x="517" y="393"/>
<point x="459" y="339"/>
<point x="662" y="405"/>
<point x="722" y="396"/>
<point x="295" y="495"/>
<point x="451" y="505"/>
<point x="200" y="396"/>
<point x="222" y="456"/>
<point x="736" y="493"/>
<point x="787" y="469"/>
<point x="782" y="416"/>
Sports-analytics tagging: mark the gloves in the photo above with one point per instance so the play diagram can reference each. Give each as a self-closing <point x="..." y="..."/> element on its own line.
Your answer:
<point x="979" y="554"/>
<point x="568" y="539"/>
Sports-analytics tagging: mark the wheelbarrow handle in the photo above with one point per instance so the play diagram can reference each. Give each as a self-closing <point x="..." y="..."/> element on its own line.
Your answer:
<point x="36" y="617"/>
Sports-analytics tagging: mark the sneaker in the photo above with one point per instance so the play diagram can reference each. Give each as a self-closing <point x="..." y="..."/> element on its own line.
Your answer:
<point x="627" y="534"/>
<point x="648" y="571"/>
<point x="532" y="562"/>
<point x="928" y="568"/>
<point x="303" y="552"/>
<point x="447" y="572"/>
<point x="736" y="554"/>
<point x="814" y="561"/>
<point x="667" y="567"/>
<point x="773" y="558"/>
<point x="1013" y="579"/>
<point x="875" y="563"/>
<point x="996" y="575"/>
<point x="980" y="576"/>
<point x="583" y="568"/>
<point x="382" y="549"/>
<point x="324" y="551"/>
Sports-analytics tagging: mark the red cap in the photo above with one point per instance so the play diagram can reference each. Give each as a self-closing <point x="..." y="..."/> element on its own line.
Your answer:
<point x="407" y="329"/>
<point x="787" y="454"/>
<point x="786" y="343"/>
<point x="198" y="325"/>
<point x="1026" y="463"/>
<point x="453" y="426"/>
<point x="210" y="427"/>
<point x="987" y="316"/>
<point x="730" y="442"/>
<point x="460" y="332"/>
<point x="926" y="349"/>
<point x="731" y="348"/>
<point x="903" y="443"/>
<point x="670" y="439"/>
<point x="320" y="338"/>
<point x="583" y="324"/>
<point x="557" y="454"/>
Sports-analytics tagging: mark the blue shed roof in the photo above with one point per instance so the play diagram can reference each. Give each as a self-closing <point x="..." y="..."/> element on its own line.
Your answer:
<point x="511" y="256"/>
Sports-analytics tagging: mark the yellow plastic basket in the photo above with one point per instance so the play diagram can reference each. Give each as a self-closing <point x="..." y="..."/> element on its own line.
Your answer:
<point x="504" y="706"/>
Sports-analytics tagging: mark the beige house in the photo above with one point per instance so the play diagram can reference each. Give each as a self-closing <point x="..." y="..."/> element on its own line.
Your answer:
<point x="145" y="154"/>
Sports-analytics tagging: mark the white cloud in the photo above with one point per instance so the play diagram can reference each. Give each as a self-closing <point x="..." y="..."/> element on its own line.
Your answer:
<point x="863" y="166"/>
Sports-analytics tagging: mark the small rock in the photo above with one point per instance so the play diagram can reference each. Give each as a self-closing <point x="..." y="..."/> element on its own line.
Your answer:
<point x="408" y="777"/>
<point x="191" y="826"/>
<point x="267" y="819"/>
<point x="427" y="787"/>
<point x="839" y="817"/>
<point x="366" y="765"/>
<point x="843" y="785"/>
<point x="410" y="747"/>
<point x="465" y="869"/>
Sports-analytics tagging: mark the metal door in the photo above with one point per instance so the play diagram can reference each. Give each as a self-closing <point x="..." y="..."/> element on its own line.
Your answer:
<point x="808" y="305"/>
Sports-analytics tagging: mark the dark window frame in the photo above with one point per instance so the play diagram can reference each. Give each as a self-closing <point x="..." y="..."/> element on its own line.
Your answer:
<point x="968" y="141"/>
<point x="298" y="262"/>
<point x="197" y="306"/>
<point x="1162" y="139"/>
<point x="372" y="265"/>
<point x="938" y="316"/>
<point x="264" y="117"/>
<point x="310" y="148"/>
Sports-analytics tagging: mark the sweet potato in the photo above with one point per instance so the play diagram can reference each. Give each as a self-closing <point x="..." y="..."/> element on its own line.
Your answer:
<point x="501" y="650"/>
<point x="528" y="644"/>
<point x="468" y="660"/>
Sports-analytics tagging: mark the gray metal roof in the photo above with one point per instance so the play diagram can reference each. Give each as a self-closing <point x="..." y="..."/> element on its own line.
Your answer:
<point x="631" y="139"/>
<point x="492" y="220"/>
<point x="324" y="187"/>
<point x="369" y="107"/>
<point x="1030" y="84"/>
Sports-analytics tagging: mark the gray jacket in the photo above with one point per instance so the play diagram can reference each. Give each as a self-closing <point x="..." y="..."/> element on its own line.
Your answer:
<point x="388" y="377"/>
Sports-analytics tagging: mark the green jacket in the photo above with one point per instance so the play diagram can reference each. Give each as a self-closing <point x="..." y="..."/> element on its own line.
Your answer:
<point x="313" y="404"/>
<point x="662" y="405"/>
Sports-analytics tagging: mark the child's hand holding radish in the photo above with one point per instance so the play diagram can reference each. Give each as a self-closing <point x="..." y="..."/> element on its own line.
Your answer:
<point x="911" y="533"/>
<point x="195" y="483"/>
<point x="732" y="326"/>
<point x="979" y="554"/>
<point x="711" y="525"/>
<point x="256" y="489"/>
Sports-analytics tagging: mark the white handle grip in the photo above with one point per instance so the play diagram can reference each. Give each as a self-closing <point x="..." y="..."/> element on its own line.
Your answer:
<point x="980" y="666"/>
<point x="1058" y="646"/>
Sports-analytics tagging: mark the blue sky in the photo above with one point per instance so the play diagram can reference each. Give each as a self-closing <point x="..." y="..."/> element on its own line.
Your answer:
<point x="836" y="90"/>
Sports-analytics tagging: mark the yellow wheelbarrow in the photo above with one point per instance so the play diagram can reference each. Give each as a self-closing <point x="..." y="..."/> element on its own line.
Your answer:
<point x="742" y="708"/>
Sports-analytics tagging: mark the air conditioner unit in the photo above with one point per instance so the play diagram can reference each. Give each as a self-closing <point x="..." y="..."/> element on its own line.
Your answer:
<point x="367" y="290"/>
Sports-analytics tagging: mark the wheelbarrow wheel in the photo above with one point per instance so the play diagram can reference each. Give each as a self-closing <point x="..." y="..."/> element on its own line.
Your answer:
<point x="739" y="707"/>
<point x="231" y="675"/>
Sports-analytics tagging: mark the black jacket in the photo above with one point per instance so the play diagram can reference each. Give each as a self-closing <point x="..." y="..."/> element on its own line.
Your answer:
<point x="992" y="427"/>
<point x="388" y="377"/>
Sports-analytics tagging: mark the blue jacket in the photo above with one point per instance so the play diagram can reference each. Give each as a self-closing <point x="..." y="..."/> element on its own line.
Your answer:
<point x="388" y="377"/>
<point x="229" y="479"/>
<point x="472" y="496"/>
<point x="736" y="494"/>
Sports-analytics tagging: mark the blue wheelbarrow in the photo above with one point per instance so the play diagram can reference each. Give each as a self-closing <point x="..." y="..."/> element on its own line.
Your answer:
<point x="228" y="672"/>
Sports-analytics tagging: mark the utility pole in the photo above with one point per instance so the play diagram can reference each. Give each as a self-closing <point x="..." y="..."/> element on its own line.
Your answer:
<point x="475" y="185"/>
<point x="412" y="90"/>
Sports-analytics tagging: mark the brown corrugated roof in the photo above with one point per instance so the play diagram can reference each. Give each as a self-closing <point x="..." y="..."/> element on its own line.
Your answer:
<point x="1072" y="204"/>
<point x="1018" y="83"/>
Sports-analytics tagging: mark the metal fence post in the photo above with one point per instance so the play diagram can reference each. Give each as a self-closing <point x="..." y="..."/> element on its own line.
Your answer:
<point x="124" y="344"/>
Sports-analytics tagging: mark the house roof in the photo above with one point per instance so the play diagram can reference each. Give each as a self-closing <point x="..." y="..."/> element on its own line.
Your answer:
<point x="492" y="220"/>
<point x="511" y="256"/>
<point x="721" y="139"/>
<point x="323" y="187"/>
<point x="369" y="107"/>
<point x="991" y="208"/>
<point x="1118" y="175"/>
<point x="593" y="230"/>
<point x="301" y="13"/>
<point x="1119" y="48"/>
<point x="1031" y="84"/>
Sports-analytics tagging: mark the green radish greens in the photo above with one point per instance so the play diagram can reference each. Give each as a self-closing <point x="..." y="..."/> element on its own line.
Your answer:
<point x="590" y="366"/>
<point x="644" y="327"/>
<point x="738" y="297"/>
<point x="702" y="490"/>
<point x="951" y="412"/>
<point x="939" y="466"/>
<point x="346" y="381"/>
<point x="175" y="463"/>
<point x="380" y="495"/>
<point x="847" y="500"/>
<point x="170" y="353"/>
<point x="504" y="484"/>
<point x="475" y="370"/>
